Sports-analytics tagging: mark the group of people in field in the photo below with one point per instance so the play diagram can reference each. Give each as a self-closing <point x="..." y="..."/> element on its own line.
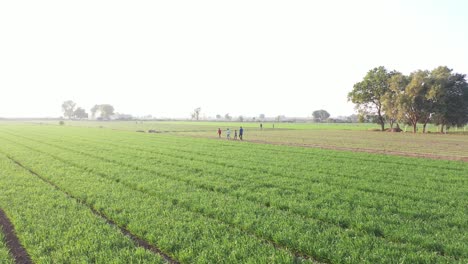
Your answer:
<point x="228" y="133"/>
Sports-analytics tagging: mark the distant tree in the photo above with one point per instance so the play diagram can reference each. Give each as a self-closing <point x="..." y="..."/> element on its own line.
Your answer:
<point x="106" y="110"/>
<point x="368" y="94"/>
<point x="279" y="118"/>
<point x="320" y="115"/>
<point x="94" y="110"/>
<point x="68" y="108"/>
<point x="80" y="113"/>
<point x="61" y="122"/>
<point x="241" y="118"/>
<point x="218" y="116"/>
<point x="196" y="113"/>
<point x="352" y="118"/>
<point x="227" y="116"/>
<point x="261" y="117"/>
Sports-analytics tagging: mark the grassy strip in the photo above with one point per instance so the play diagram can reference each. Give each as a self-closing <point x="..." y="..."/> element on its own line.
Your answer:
<point x="56" y="229"/>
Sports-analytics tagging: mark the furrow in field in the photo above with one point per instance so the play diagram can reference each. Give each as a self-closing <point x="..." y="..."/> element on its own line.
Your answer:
<point x="138" y="241"/>
<point x="16" y="249"/>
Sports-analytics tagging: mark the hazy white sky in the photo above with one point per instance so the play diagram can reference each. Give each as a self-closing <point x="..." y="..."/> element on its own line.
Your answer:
<point x="240" y="57"/>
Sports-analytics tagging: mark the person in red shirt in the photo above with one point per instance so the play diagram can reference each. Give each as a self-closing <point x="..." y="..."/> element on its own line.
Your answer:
<point x="219" y="132"/>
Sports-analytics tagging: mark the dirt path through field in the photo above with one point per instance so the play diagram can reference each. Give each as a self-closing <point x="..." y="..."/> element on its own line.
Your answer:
<point x="16" y="249"/>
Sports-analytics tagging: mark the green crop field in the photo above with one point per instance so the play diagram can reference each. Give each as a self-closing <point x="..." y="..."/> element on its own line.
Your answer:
<point x="354" y="137"/>
<point x="81" y="194"/>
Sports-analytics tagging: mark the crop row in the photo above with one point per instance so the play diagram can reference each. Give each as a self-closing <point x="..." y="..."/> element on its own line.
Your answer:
<point x="72" y="156"/>
<point x="56" y="229"/>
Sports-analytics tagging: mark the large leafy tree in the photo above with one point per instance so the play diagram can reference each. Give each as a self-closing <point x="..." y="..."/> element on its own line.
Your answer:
<point x="412" y="103"/>
<point x="68" y="108"/>
<point x="105" y="111"/>
<point x="94" y="110"/>
<point x="196" y="113"/>
<point x="320" y="115"/>
<point x="450" y="91"/>
<point x="397" y="85"/>
<point x="80" y="113"/>
<point x="368" y="95"/>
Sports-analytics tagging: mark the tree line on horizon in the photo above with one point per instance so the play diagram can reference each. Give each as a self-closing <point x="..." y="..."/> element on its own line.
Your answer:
<point x="439" y="97"/>
<point x="71" y="111"/>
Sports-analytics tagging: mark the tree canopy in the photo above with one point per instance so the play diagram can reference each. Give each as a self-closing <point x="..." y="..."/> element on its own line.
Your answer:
<point x="368" y="95"/>
<point x="68" y="108"/>
<point x="196" y="113"/>
<point x="439" y="96"/>
<point x="320" y="115"/>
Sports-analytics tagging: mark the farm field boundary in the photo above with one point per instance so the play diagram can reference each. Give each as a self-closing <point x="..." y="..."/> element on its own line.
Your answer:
<point x="16" y="249"/>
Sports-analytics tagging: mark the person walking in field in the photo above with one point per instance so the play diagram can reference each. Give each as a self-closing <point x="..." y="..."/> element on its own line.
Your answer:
<point x="235" y="134"/>
<point x="228" y="134"/>
<point x="219" y="132"/>
<point x="241" y="133"/>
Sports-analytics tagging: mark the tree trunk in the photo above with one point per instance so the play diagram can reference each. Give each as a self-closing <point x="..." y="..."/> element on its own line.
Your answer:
<point x="415" y="127"/>
<point x="424" y="128"/>
<point x="442" y="128"/>
<point x="381" y="119"/>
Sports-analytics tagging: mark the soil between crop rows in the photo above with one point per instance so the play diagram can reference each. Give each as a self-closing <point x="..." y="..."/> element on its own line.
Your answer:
<point x="16" y="249"/>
